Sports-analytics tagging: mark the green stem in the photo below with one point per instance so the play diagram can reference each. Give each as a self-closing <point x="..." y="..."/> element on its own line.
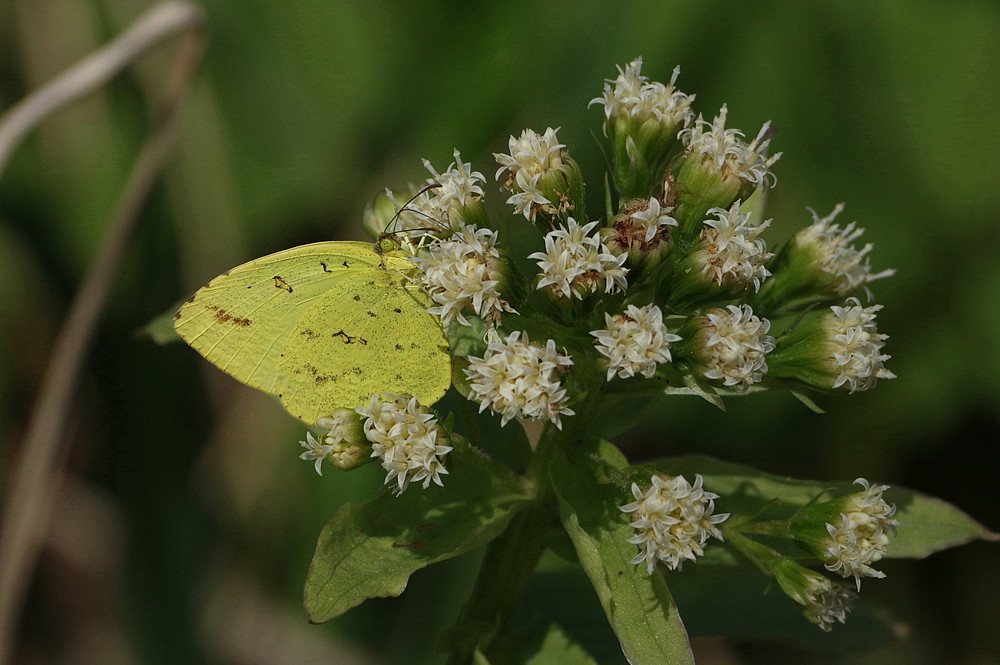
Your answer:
<point x="778" y="528"/>
<point x="508" y="564"/>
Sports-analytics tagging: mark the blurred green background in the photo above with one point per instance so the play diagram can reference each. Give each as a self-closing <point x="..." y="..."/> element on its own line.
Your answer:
<point x="187" y="523"/>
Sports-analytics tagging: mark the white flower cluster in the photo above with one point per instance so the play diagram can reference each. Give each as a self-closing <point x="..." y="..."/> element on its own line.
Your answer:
<point x="518" y="379"/>
<point x="641" y="226"/>
<point x="635" y="96"/>
<point x="733" y="254"/>
<point x="463" y="273"/>
<point x="735" y="344"/>
<point x="532" y="158"/>
<point x="825" y="601"/>
<point x="857" y="346"/>
<point x="338" y="445"/>
<point x="435" y="207"/>
<point x="406" y="439"/>
<point x="672" y="520"/>
<point x="634" y="342"/>
<point x="727" y="152"/>
<point x="835" y="255"/>
<point x="858" y="538"/>
<point x="576" y="263"/>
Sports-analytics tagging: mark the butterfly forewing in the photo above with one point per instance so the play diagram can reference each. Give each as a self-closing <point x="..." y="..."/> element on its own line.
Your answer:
<point x="286" y="324"/>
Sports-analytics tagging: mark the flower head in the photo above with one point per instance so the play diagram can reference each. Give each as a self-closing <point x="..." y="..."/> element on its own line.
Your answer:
<point x="840" y="350"/>
<point x="672" y="520"/>
<point x="518" y="379"/>
<point x="539" y="173"/>
<point x="453" y="198"/>
<point x="850" y="533"/>
<point x="641" y="118"/>
<point x="723" y="149"/>
<point x="465" y="273"/>
<point x="823" y="601"/>
<point x="342" y="444"/>
<point x="576" y="263"/>
<point x="729" y="258"/>
<point x="406" y="439"/>
<point x="820" y="264"/>
<point x="720" y="167"/>
<point x="846" y="266"/>
<point x="634" y="342"/>
<point x="641" y="229"/>
<point x="729" y="345"/>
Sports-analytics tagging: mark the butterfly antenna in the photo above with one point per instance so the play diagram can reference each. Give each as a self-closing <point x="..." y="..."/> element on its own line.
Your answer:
<point x="405" y="206"/>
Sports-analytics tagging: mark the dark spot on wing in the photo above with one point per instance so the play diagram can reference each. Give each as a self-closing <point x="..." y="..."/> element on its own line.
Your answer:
<point x="280" y="283"/>
<point x="348" y="339"/>
<point x="310" y="334"/>
<point x="397" y="310"/>
<point x="356" y="298"/>
<point x="399" y="347"/>
<point x="357" y="371"/>
<point x="373" y="315"/>
<point x="346" y="264"/>
<point x="322" y="265"/>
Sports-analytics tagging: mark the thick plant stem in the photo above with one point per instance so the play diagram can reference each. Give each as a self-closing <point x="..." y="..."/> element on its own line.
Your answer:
<point x="508" y="564"/>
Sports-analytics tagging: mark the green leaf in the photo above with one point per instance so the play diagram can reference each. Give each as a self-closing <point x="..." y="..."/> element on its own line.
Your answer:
<point x="370" y="549"/>
<point x="926" y="524"/>
<point x="638" y="606"/>
<point x="558" y="649"/>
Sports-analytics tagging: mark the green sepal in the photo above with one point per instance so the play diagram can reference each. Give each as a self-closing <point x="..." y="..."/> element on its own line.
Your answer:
<point x="638" y="606"/>
<point x="370" y="549"/>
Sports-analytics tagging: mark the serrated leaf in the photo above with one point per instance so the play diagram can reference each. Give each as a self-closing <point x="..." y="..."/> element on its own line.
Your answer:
<point x="370" y="549"/>
<point x="638" y="606"/>
<point x="927" y="525"/>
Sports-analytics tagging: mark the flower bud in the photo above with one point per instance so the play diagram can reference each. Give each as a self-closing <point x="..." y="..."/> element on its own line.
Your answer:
<point x="838" y="350"/>
<point x="343" y="443"/>
<point x="727" y="260"/>
<point x="541" y="176"/>
<point x="719" y="167"/>
<point x="407" y="439"/>
<point x="819" y="265"/>
<point x="823" y="601"/>
<point x="849" y="533"/>
<point x="641" y="230"/>
<point x="466" y="274"/>
<point x="641" y="119"/>
<point x="727" y="346"/>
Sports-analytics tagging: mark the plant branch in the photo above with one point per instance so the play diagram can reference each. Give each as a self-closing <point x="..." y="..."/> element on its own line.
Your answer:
<point x="36" y="474"/>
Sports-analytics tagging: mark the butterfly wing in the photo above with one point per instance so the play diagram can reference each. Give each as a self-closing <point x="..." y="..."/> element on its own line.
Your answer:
<point x="292" y="325"/>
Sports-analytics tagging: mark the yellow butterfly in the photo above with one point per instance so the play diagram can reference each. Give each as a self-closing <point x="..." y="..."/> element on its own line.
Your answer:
<point x="321" y="326"/>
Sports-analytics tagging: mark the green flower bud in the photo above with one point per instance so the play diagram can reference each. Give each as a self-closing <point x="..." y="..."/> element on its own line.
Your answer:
<point x="849" y="533"/>
<point x="719" y="167"/>
<point x="838" y="350"/>
<point x="819" y="265"/>
<point x="727" y="260"/>
<point x="641" y="119"/>
<point x="727" y="346"/>
<point x="343" y="444"/>
<point x="823" y="601"/>
<point x="544" y="181"/>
